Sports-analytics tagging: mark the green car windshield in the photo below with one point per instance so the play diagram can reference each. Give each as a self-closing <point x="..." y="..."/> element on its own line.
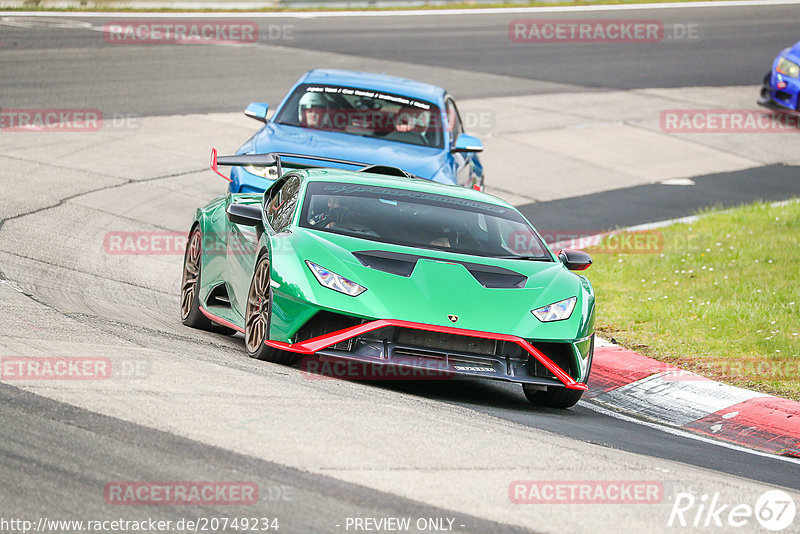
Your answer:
<point x="420" y="219"/>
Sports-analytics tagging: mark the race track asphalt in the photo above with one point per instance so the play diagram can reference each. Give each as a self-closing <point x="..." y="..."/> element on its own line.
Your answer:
<point x="346" y="449"/>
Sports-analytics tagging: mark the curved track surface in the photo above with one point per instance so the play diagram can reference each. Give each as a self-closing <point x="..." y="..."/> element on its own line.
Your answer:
<point x="192" y="406"/>
<point x="46" y="63"/>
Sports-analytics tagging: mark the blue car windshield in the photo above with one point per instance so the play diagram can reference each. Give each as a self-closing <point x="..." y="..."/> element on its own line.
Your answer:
<point x="365" y="113"/>
<point x="421" y="220"/>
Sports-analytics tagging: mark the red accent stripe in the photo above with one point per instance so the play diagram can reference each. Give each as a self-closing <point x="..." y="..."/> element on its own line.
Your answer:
<point x="768" y="423"/>
<point x="319" y="343"/>
<point x="220" y="320"/>
<point x="214" y="166"/>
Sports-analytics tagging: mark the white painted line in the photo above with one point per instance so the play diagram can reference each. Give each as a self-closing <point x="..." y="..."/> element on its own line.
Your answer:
<point x="676" y="398"/>
<point x="661" y="224"/>
<point x="781" y="203"/>
<point x="694" y="218"/>
<point x="677" y="181"/>
<point x="599" y="342"/>
<point x="595" y="238"/>
<point x="409" y="13"/>
<point x="684" y="433"/>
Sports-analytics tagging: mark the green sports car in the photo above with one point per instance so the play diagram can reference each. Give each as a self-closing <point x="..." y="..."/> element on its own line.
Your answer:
<point x="391" y="271"/>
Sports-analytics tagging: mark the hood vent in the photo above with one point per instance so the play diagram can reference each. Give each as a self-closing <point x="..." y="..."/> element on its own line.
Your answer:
<point x="388" y="262"/>
<point x="488" y="276"/>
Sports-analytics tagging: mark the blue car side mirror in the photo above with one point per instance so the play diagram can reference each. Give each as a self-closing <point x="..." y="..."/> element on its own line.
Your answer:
<point x="467" y="143"/>
<point x="257" y="111"/>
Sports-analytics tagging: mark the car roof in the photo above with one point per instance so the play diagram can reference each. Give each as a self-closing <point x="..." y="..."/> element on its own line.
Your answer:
<point x="377" y="82"/>
<point x="397" y="182"/>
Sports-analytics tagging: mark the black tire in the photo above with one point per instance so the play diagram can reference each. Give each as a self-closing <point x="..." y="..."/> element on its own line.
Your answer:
<point x="190" y="281"/>
<point x="257" y="318"/>
<point x="553" y="397"/>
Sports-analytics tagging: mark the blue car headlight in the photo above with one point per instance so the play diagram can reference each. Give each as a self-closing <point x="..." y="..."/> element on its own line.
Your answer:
<point x="270" y="173"/>
<point x="788" y="68"/>
<point x="558" y="311"/>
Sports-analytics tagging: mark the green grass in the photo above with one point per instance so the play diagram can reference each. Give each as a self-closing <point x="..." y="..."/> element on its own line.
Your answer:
<point x="722" y="298"/>
<point x="33" y="5"/>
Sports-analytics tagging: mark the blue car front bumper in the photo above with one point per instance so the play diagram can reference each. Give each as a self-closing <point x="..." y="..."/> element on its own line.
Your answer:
<point x="245" y="182"/>
<point x="780" y="92"/>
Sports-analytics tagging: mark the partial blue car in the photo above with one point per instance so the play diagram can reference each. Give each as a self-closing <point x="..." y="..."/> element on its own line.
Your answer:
<point x="359" y="119"/>
<point x="781" y="88"/>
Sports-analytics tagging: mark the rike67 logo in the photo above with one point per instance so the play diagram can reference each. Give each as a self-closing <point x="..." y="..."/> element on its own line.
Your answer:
<point x="774" y="510"/>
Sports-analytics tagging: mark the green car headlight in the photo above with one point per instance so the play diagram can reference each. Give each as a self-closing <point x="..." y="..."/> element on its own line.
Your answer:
<point x="331" y="280"/>
<point x="264" y="172"/>
<point x="558" y="311"/>
<point x="788" y="68"/>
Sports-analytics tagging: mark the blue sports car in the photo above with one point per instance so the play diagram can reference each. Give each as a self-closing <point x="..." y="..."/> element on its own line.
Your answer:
<point x="781" y="89"/>
<point x="361" y="119"/>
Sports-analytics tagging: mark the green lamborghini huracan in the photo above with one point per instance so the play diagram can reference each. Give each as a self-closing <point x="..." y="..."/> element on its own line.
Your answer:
<point x="384" y="268"/>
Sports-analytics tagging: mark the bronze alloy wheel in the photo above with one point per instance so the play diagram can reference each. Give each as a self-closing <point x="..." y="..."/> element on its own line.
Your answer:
<point x="191" y="273"/>
<point x="258" y="307"/>
<point x="257" y="318"/>
<point x="191" y="315"/>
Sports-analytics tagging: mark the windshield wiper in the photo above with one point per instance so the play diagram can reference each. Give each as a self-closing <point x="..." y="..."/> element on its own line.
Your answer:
<point x="357" y="230"/>
<point x="529" y="258"/>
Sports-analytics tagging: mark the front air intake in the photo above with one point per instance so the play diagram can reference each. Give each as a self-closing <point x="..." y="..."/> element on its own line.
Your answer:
<point x="325" y="322"/>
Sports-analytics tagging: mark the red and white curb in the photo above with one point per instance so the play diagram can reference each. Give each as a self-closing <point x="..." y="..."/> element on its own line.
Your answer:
<point x="651" y="389"/>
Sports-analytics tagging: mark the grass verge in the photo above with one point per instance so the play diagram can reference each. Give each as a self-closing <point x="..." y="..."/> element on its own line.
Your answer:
<point x="719" y="296"/>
